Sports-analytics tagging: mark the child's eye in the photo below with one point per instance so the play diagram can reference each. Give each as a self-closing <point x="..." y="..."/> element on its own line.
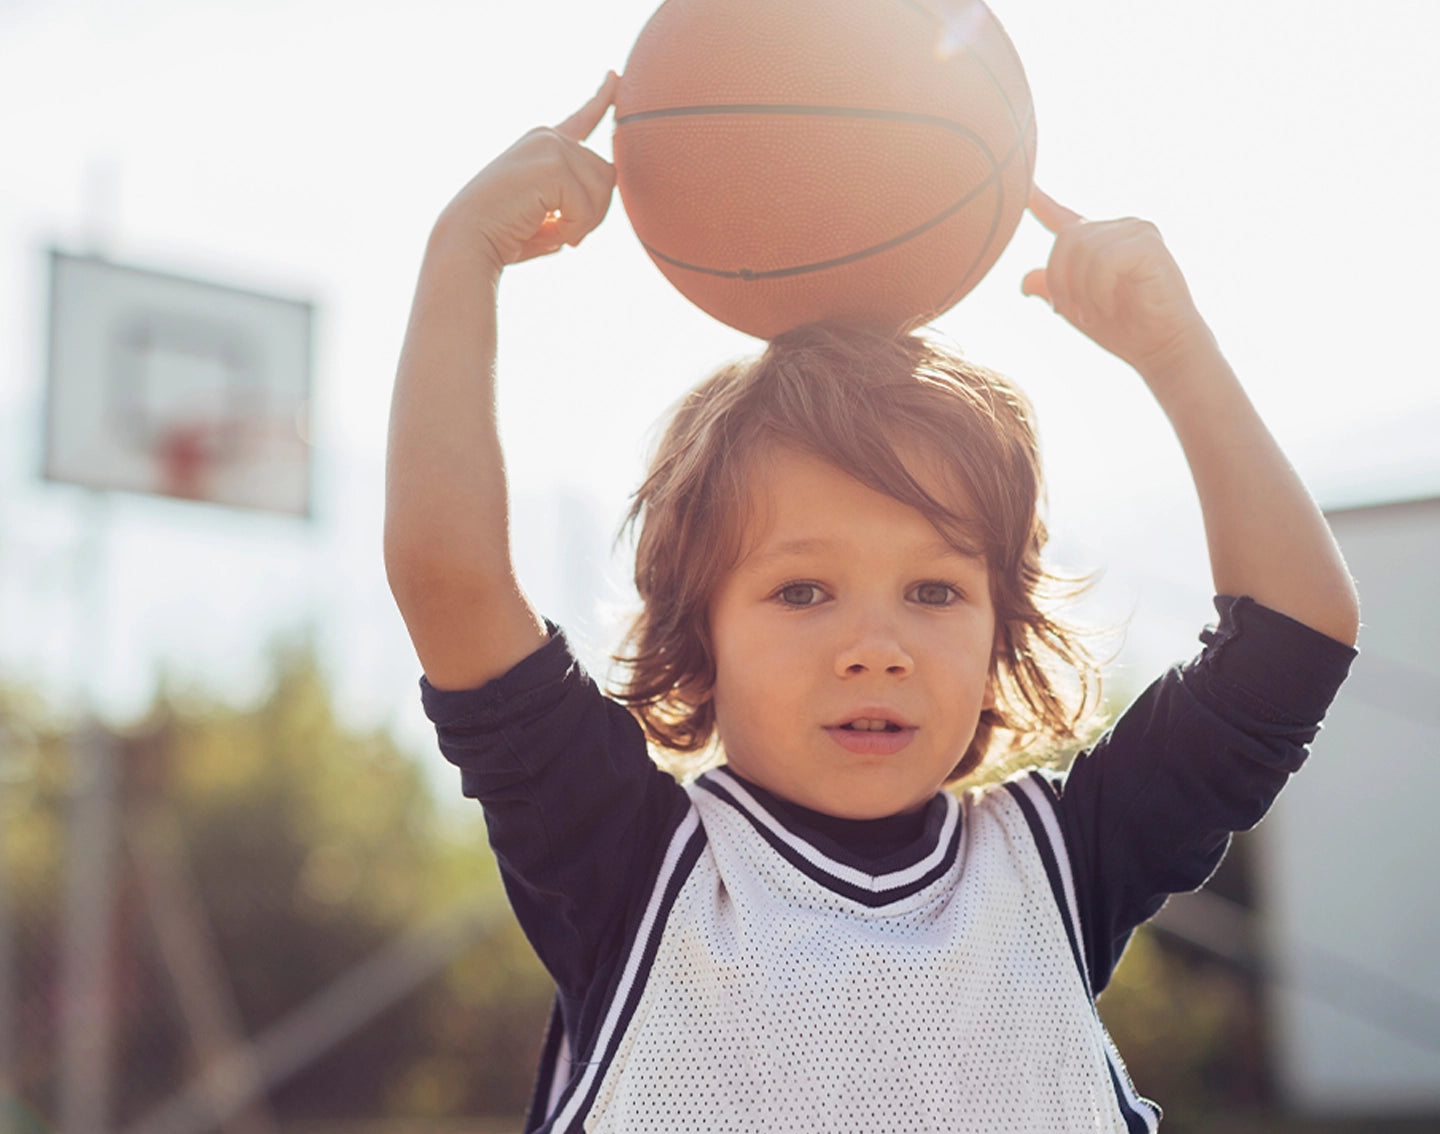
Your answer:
<point x="800" y="594"/>
<point x="934" y="594"/>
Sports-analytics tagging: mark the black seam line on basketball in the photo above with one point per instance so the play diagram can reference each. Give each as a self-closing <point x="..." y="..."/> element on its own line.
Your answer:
<point x="1020" y="128"/>
<point x="749" y="274"/>
<point x="920" y="9"/>
<point x="934" y="18"/>
<point x="797" y="110"/>
<point x="1019" y="147"/>
<point x="964" y="283"/>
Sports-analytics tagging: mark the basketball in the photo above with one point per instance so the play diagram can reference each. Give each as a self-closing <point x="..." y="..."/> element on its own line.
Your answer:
<point x="791" y="161"/>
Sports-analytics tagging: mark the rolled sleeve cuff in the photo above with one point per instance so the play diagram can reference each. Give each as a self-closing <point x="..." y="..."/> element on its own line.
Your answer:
<point x="1280" y="669"/>
<point x="535" y="679"/>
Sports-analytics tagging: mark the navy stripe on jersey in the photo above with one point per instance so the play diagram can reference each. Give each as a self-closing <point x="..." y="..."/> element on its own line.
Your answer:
<point x="1141" y="1116"/>
<point x="680" y="858"/>
<point x="1032" y="793"/>
<point x="867" y="889"/>
<point x="1037" y="800"/>
<point x="554" y="1068"/>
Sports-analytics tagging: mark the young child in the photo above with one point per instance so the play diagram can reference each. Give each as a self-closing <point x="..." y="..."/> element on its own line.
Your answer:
<point x="839" y="561"/>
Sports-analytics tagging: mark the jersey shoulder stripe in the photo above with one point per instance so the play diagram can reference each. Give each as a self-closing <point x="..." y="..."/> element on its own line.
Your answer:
<point x="573" y="1102"/>
<point x="1037" y="800"/>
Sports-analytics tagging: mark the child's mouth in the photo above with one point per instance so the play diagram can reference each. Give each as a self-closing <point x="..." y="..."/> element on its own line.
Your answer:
<point x="871" y="736"/>
<point x="866" y="724"/>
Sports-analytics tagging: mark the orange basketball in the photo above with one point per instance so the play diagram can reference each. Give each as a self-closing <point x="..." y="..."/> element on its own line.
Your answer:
<point x="787" y="161"/>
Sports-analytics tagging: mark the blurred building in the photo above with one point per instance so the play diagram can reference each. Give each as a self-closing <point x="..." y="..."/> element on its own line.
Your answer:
<point x="1349" y="898"/>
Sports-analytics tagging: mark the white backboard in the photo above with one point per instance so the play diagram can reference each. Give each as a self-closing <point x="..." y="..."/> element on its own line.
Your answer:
<point x="177" y="387"/>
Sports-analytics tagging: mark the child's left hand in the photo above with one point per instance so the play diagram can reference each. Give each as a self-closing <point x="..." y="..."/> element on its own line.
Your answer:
<point x="1117" y="282"/>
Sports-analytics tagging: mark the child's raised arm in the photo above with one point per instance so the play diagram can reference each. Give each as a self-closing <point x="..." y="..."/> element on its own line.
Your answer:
<point x="1117" y="282"/>
<point x="447" y="546"/>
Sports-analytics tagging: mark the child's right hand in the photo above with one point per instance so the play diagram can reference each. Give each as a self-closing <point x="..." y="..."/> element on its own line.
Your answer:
<point x="545" y="191"/>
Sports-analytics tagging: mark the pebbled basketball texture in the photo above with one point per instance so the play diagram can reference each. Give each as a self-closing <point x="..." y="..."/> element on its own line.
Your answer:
<point x="789" y="161"/>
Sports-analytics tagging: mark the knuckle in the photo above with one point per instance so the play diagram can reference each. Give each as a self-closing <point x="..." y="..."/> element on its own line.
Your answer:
<point x="551" y="161"/>
<point x="546" y="139"/>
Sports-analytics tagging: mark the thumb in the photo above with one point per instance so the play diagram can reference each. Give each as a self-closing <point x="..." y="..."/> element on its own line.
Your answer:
<point x="1035" y="283"/>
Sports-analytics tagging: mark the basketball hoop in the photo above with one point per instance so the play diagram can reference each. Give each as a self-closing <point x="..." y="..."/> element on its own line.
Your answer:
<point x="178" y="387"/>
<point x="189" y="453"/>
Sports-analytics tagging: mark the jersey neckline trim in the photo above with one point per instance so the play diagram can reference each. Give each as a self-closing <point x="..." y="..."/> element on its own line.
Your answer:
<point x="931" y="857"/>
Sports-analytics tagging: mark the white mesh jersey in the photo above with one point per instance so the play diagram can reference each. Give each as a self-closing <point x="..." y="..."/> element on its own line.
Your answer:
<point x="774" y="988"/>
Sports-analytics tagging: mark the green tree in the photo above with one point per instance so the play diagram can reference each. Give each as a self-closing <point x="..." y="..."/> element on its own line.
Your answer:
<point x="311" y="845"/>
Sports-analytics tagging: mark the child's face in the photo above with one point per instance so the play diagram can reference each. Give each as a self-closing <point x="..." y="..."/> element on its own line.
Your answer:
<point x="847" y="611"/>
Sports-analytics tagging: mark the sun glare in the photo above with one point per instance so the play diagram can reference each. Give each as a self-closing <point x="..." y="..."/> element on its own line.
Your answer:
<point x="960" y="23"/>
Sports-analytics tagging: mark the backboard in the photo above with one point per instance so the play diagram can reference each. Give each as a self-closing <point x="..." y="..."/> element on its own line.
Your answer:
<point x="177" y="387"/>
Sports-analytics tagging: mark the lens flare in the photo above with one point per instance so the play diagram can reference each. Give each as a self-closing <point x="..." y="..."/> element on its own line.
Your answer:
<point x="960" y="23"/>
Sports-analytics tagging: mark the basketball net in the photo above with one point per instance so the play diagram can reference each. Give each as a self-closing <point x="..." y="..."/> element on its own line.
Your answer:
<point x="189" y="454"/>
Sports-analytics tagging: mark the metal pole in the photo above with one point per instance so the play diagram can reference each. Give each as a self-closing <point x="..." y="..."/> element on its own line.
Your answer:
<point x="189" y="952"/>
<point x="92" y="842"/>
<point x="85" y="957"/>
<point x="9" y="1067"/>
<point x="92" y="826"/>
<point x="322" y="1022"/>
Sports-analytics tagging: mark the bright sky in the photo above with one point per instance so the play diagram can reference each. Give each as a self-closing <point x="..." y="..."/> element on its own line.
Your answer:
<point x="1285" y="148"/>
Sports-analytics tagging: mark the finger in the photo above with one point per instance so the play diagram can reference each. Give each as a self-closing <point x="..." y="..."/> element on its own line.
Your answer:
<point x="1034" y="284"/>
<point x="579" y="125"/>
<point x="595" y="174"/>
<point x="1050" y="212"/>
<point x="569" y="224"/>
<point x="1087" y="255"/>
<point x="1128" y="257"/>
<point x="538" y="245"/>
<point x="571" y="214"/>
<point x="1059" y="275"/>
<point x="578" y="200"/>
<point x="593" y="186"/>
<point x="1102" y="283"/>
<point x="1100" y="252"/>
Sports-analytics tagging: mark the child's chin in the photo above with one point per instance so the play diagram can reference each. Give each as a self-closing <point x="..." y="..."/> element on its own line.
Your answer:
<point x="871" y="805"/>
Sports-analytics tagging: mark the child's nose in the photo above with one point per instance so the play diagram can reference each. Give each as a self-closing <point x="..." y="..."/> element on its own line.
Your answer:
<point x="873" y="648"/>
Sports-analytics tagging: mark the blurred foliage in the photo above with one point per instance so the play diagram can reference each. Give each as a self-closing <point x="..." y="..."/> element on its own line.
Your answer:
<point x="1190" y="1031"/>
<point x="313" y="845"/>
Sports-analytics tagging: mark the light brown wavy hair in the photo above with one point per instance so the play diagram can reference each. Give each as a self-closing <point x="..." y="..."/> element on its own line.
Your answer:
<point x="861" y="400"/>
